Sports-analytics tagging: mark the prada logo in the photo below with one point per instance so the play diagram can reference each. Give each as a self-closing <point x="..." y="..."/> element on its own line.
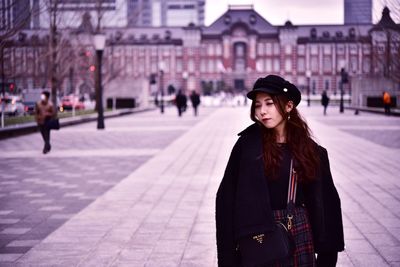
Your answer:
<point x="259" y="238"/>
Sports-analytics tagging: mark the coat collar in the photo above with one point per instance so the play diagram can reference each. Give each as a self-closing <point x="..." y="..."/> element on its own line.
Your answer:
<point x="253" y="128"/>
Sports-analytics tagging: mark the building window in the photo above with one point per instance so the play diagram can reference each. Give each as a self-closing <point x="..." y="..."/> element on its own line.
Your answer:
<point x="178" y="51"/>
<point x="353" y="49"/>
<point x="190" y="51"/>
<point x="288" y="49"/>
<point x="210" y="66"/>
<point x="166" y="66"/>
<point x="203" y="50"/>
<point x="179" y="65"/>
<point x="314" y="64"/>
<point x="260" y="49"/>
<point x="313" y="86"/>
<point x="301" y="64"/>
<point x="153" y="65"/>
<point x="288" y="65"/>
<point x="260" y="65"/>
<point x="327" y="85"/>
<point x="240" y="64"/>
<point x="218" y="49"/>
<point x="129" y="68"/>
<point x="301" y="50"/>
<point x="141" y="65"/>
<point x="153" y="51"/>
<point x="366" y="65"/>
<point x="327" y="64"/>
<point x="277" y="65"/>
<point x="268" y="65"/>
<point x="191" y="65"/>
<point x="277" y="49"/>
<point x="327" y="49"/>
<point x="211" y="49"/>
<point x="240" y="56"/>
<point x="268" y="49"/>
<point x="367" y="49"/>
<point x="239" y="51"/>
<point x="353" y="64"/>
<point x="165" y="52"/>
<point x="381" y="49"/>
<point x="340" y="63"/>
<point x="203" y="66"/>
<point x="314" y="49"/>
<point x="340" y="49"/>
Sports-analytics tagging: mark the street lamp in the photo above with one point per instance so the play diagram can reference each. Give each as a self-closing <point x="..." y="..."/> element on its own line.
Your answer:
<point x="99" y="44"/>
<point x="308" y="75"/>
<point x="185" y="75"/>
<point x="221" y="70"/>
<point x="343" y="79"/>
<point x="161" y="67"/>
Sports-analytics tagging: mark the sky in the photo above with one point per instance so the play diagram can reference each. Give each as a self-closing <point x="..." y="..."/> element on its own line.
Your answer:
<point x="299" y="12"/>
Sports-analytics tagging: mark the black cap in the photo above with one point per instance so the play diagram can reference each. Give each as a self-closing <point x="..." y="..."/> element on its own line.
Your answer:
<point x="275" y="85"/>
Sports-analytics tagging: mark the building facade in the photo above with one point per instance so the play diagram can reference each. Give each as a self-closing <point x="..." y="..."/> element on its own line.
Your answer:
<point x="228" y="55"/>
<point x="357" y="11"/>
<point x="170" y="13"/>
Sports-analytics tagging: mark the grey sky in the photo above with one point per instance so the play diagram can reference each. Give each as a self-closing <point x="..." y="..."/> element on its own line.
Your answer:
<point x="277" y="12"/>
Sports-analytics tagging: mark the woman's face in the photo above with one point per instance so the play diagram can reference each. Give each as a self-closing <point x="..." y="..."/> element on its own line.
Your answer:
<point x="266" y="111"/>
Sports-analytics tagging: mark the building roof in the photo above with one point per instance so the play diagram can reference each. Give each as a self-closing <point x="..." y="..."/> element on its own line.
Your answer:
<point x="240" y="15"/>
<point x="386" y="22"/>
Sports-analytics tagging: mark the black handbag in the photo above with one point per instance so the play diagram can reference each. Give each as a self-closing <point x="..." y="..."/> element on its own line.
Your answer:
<point x="53" y="124"/>
<point x="278" y="245"/>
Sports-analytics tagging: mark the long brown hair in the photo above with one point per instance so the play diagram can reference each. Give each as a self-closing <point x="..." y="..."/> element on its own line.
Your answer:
<point x="298" y="139"/>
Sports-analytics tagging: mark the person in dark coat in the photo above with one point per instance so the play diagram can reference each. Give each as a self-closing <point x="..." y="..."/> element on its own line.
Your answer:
<point x="44" y="111"/>
<point x="254" y="187"/>
<point x="181" y="102"/>
<point x="325" y="101"/>
<point x="195" y="99"/>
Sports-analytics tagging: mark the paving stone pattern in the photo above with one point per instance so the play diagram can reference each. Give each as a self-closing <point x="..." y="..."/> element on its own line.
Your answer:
<point x="364" y="153"/>
<point x="39" y="193"/>
<point x="378" y="128"/>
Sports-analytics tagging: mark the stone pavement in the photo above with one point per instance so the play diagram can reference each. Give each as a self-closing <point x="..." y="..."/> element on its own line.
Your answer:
<point x="38" y="193"/>
<point x="364" y="155"/>
<point x="162" y="212"/>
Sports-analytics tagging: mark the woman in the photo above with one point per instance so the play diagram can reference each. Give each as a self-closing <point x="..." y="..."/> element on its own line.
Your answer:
<point x="255" y="184"/>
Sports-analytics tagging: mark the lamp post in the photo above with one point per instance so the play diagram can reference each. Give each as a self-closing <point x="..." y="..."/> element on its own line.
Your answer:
<point x="3" y="87"/>
<point x="99" y="44"/>
<point x="343" y="80"/>
<point x="185" y="76"/>
<point x="308" y="75"/>
<point x="161" y="69"/>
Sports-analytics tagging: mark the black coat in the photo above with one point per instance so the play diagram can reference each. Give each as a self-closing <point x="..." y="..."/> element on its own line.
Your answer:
<point x="243" y="206"/>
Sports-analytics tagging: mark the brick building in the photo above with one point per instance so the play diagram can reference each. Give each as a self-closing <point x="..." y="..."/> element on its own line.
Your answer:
<point x="230" y="54"/>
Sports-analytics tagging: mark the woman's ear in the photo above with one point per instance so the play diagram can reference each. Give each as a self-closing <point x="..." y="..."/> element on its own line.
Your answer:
<point x="289" y="106"/>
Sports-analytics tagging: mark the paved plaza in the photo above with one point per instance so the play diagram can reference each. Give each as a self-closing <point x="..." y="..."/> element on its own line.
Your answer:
<point x="142" y="192"/>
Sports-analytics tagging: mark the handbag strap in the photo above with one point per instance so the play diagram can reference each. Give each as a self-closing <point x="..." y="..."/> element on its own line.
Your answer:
<point x="292" y="184"/>
<point x="291" y="199"/>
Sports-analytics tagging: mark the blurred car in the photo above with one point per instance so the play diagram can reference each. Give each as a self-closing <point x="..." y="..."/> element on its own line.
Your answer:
<point x="13" y="106"/>
<point x="29" y="107"/>
<point x="69" y="102"/>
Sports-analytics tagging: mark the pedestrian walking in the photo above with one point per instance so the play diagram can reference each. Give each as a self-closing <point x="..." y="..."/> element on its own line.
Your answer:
<point x="44" y="112"/>
<point x="255" y="198"/>
<point x="387" y="101"/>
<point x="195" y="99"/>
<point x="181" y="102"/>
<point x="325" y="101"/>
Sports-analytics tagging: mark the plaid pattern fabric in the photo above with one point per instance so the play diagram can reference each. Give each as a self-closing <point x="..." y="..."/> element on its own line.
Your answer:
<point x="304" y="252"/>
